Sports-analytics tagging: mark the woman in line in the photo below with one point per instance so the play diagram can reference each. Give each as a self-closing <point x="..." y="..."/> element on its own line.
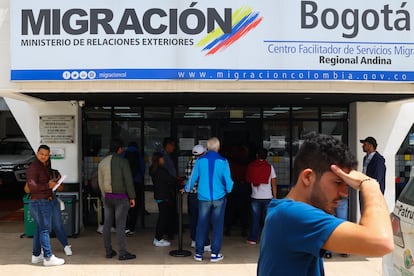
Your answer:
<point x="164" y="193"/>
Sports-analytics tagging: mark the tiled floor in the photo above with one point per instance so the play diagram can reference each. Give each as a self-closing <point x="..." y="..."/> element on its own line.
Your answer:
<point x="88" y="257"/>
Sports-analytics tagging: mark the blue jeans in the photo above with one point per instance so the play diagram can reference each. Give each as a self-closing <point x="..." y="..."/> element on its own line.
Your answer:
<point x="57" y="223"/>
<point x="342" y="209"/>
<point x="210" y="213"/>
<point x="57" y="227"/>
<point x="192" y="201"/>
<point x="258" y="210"/>
<point x="41" y="211"/>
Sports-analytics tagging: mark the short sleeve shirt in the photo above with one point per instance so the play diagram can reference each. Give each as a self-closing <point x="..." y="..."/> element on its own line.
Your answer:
<point x="264" y="191"/>
<point x="292" y="239"/>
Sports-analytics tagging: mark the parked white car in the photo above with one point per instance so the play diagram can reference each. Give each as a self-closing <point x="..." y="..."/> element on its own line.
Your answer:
<point x="15" y="157"/>
<point x="400" y="261"/>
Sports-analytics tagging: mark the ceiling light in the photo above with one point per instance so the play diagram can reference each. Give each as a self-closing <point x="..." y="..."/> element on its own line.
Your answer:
<point x="204" y="108"/>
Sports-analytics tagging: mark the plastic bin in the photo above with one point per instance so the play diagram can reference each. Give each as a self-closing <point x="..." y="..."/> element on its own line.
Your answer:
<point x="29" y="223"/>
<point x="69" y="215"/>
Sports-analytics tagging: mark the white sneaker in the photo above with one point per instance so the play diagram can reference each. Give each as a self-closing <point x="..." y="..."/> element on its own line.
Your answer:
<point x="113" y="229"/>
<point x="192" y="244"/>
<point x="161" y="243"/>
<point x="37" y="259"/>
<point x="207" y="248"/>
<point x="100" y="229"/>
<point x="216" y="257"/>
<point x="68" y="250"/>
<point x="53" y="260"/>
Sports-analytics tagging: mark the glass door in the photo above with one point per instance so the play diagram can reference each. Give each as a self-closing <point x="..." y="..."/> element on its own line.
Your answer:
<point x="189" y="135"/>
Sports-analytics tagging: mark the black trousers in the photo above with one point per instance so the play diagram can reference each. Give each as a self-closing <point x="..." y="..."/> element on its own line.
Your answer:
<point x="165" y="222"/>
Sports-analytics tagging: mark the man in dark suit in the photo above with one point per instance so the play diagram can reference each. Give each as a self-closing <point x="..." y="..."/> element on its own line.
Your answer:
<point x="374" y="163"/>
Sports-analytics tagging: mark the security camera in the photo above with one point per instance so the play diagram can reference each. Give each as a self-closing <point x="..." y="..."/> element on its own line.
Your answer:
<point x="81" y="103"/>
<point x="73" y="103"/>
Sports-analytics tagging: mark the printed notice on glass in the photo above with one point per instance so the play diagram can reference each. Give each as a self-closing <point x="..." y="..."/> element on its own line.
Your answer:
<point x="57" y="129"/>
<point x="277" y="142"/>
<point x="186" y="143"/>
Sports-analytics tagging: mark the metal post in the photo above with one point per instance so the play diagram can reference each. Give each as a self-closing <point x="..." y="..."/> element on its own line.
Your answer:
<point x="180" y="252"/>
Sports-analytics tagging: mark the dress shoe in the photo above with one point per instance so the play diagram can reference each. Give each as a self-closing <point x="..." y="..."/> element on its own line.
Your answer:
<point x="127" y="256"/>
<point x="110" y="255"/>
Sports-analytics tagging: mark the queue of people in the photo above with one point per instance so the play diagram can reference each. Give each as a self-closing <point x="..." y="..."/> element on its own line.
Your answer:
<point x="324" y="169"/>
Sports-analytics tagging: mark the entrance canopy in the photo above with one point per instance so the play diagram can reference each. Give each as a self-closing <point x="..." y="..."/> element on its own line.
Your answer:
<point x="162" y="99"/>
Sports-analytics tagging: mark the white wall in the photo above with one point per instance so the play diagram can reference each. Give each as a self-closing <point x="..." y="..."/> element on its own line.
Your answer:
<point x="389" y="123"/>
<point x="27" y="115"/>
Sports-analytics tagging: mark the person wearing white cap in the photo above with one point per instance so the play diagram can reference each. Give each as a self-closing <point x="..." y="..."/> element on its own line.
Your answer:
<point x="192" y="200"/>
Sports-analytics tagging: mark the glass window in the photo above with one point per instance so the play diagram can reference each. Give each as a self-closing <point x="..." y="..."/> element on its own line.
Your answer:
<point x="196" y="132"/>
<point x="188" y="136"/>
<point x="127" y="131"/>
<point x="154" y="134"/>
<point x="334" y="113"/>
<point x="157" y="112"/>
<point x="213" y="112"/>
<point x="335" y="128"/>
<point x="127" y="112"/>
<point x="276" y="112"/>
<point x="407" y="195"/>
<point x="98" y="135"/>
<point x="244" y="113"/>
<point x="407" y="147"/>
<point x="299" y="130"/>
<point x="98" y="112"/>
<point x="276" y="140"/>
<point x="305" y="112"/>
<point x="194" y="112"/>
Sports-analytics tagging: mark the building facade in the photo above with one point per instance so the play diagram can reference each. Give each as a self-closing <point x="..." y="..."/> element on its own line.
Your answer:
<point x="252" y="73"/>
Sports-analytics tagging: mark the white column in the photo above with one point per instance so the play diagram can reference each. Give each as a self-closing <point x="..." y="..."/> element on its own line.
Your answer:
<point x="27" y="115"/>
<point x="389" y="124"/>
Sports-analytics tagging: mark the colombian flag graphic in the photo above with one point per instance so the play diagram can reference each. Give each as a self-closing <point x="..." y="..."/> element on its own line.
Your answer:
<point x="244" y="20"/>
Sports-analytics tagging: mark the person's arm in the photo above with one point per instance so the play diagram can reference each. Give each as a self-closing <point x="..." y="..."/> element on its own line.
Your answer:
<point x="227" y="177"/>
<point x="131" y="203"/>
<point x="128" y="180"/>
<point x="57" y="177"/>
<point x="193" y="178"/>
<point x="379" y="172"/>
<point x="274" y="187"/>
<point x="373" y="235"/>
<point x="273" y="181"/>
<point x="26" y="188"/>
<point x="188" y="169"/>
<point x="100" y="182"/>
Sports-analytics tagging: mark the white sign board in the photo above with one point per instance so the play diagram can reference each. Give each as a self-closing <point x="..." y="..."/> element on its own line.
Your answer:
<point x="57" y="129"/>
<point x="256" y="40"/>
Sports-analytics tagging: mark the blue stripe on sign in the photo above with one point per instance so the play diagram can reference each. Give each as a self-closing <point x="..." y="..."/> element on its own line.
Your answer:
<point x="210" y="74"/>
